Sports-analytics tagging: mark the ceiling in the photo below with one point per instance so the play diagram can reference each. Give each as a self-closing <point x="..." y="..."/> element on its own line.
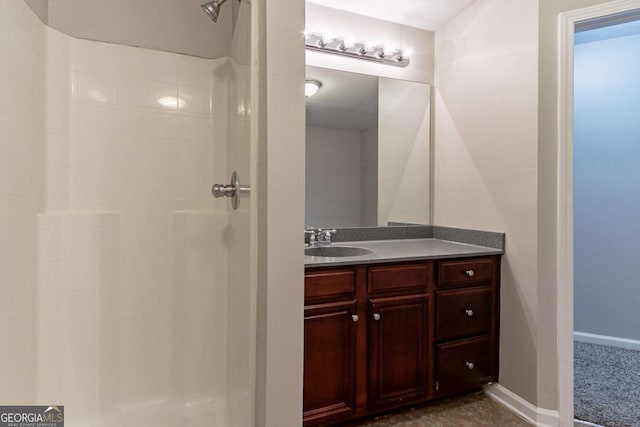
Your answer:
<point x="426" y="14"/>
<point x="345" y="100"/>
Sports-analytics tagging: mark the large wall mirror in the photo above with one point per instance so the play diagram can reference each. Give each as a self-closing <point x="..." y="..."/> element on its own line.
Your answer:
<point x="367" y="151"/>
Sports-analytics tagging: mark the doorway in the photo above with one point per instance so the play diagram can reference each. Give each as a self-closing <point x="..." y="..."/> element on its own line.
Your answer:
<point x="599" y="187"/>
<point x="606" y="195"/>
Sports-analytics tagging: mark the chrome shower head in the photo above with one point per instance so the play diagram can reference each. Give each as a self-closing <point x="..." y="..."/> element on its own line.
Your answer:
<point x="212" y="8"/>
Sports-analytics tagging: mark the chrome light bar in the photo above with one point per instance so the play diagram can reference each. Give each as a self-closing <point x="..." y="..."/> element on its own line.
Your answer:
<point x="319" y="43"/>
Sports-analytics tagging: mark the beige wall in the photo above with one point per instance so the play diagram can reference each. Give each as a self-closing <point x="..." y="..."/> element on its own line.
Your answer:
<point x="547" y="193"/>
<point x="486" y="165"/>
<point x="169" y="25"/>
<point x="40" y="8"/>
<point x="281" y="110"/>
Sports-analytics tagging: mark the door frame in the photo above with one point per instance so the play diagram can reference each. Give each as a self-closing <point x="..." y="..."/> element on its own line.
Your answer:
<point x="564" y="279"/>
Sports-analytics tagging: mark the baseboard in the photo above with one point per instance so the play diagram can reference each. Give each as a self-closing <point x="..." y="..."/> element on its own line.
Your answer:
<point x="578" y="423"/>
<point x="607" y="340"/>
<point x="539" y="417"/>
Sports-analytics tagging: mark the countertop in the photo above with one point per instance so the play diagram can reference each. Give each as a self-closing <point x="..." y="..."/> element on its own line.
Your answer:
<point x="402" y="250"/>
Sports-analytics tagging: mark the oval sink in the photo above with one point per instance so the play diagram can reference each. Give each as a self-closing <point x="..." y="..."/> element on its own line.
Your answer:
<point x="336" y="251"/>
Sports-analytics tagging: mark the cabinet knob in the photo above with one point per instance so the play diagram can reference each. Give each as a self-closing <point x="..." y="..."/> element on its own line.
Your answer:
<point x="355" y="317"/>
<point x="470" y="273"/>
<point x="376" y="316"/>
<point x="469" y="365"/>
<point x="469" y="313"/>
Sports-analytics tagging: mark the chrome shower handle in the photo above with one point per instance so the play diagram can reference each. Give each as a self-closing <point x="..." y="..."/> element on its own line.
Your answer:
<point x="233" y="190"/>
<point x="221" y="190"/>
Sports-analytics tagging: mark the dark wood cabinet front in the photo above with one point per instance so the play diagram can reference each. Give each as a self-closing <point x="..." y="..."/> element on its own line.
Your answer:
<point x="463" y="312"/>
<point x="398" y="351"/>
<point x="465" y="272"/>
<point x="380" y="337"/>
<point x="329" y="362"/>
<point x="463" y="365"/>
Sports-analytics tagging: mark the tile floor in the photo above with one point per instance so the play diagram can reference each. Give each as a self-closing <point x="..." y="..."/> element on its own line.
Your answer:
<point x="474" y="410"/>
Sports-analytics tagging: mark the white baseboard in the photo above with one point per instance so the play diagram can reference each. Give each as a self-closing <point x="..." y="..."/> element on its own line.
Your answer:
<point x="606" y="340"/>
<point x="539" y="417"/>
<point x="578" y="423"/>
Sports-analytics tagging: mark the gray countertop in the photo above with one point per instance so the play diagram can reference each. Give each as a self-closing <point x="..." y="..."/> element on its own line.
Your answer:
<point x="402" y="250"/>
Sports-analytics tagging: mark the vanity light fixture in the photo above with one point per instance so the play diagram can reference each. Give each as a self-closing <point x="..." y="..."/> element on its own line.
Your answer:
<point x="311" y="87"/>
<point x="360" y="50"/>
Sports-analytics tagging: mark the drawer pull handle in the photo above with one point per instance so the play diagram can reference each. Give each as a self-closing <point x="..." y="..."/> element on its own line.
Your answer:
<point x="470" y="273"/>
<point x="469" y="313"/>
<point x="355" y="317"/>
<point x="376" y="316"/>
<point x="469" y="365"/>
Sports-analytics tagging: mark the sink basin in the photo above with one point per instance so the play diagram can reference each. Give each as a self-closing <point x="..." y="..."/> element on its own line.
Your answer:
<point x="336" y="251"/>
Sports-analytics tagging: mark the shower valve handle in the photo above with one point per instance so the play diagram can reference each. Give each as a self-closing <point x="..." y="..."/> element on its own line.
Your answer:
<point x="221" y="190"/>
<point x="233" y="190"/>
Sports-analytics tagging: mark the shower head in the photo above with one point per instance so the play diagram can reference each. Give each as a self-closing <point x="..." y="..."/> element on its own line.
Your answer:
<point x="212" y="8"/>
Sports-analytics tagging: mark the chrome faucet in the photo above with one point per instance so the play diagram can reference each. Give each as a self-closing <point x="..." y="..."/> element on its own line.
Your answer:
<point x="323" y="237"/>
<point x="318" y="236"/>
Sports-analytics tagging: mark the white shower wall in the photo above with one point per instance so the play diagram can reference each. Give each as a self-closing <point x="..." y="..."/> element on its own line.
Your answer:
<point x="115" y="256"/>
<point x="21" y="196"/>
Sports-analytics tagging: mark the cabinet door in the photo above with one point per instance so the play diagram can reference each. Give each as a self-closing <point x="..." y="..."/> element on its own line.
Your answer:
<point x="329" y="362"/>
<point x="398" y="351"/>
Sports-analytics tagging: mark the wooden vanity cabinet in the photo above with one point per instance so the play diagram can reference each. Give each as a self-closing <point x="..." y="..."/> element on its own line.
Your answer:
<point x="467" y="323"/>
<point x="385" y="336"/>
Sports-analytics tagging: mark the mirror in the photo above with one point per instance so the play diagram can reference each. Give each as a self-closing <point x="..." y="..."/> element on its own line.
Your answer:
<point x="367" y="151"/>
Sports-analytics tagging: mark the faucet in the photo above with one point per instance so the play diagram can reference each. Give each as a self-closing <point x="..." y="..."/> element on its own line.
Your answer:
<point x="323" y="237"/>
<point x="318" y="236"/>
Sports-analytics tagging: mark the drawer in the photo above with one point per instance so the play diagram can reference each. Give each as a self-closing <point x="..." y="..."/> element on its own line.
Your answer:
<point x="452" y="273"/>
<point x="330" y="284"/>
<point x="463" y="312"/>
<point x="464" y="365"/>
<point x="400" y="278"/>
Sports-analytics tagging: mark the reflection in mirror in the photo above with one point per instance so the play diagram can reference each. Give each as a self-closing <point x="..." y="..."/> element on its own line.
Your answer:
<point x="367" y="151"/>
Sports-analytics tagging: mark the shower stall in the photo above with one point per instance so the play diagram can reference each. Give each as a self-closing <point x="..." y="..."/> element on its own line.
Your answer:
<point x="128" y="294"/>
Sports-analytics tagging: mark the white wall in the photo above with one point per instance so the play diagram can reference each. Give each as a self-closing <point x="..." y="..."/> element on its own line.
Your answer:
<point x="419" y="42"/>
<point x="606" y="186"/>
<point x="169" y="25"/>
<point x="404" y="127"/>
<point x="369" y="177"/>
<point x="486" y="166"/>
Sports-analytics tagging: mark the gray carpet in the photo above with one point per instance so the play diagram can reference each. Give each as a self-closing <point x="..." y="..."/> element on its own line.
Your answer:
<point x="607" y="385"/>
